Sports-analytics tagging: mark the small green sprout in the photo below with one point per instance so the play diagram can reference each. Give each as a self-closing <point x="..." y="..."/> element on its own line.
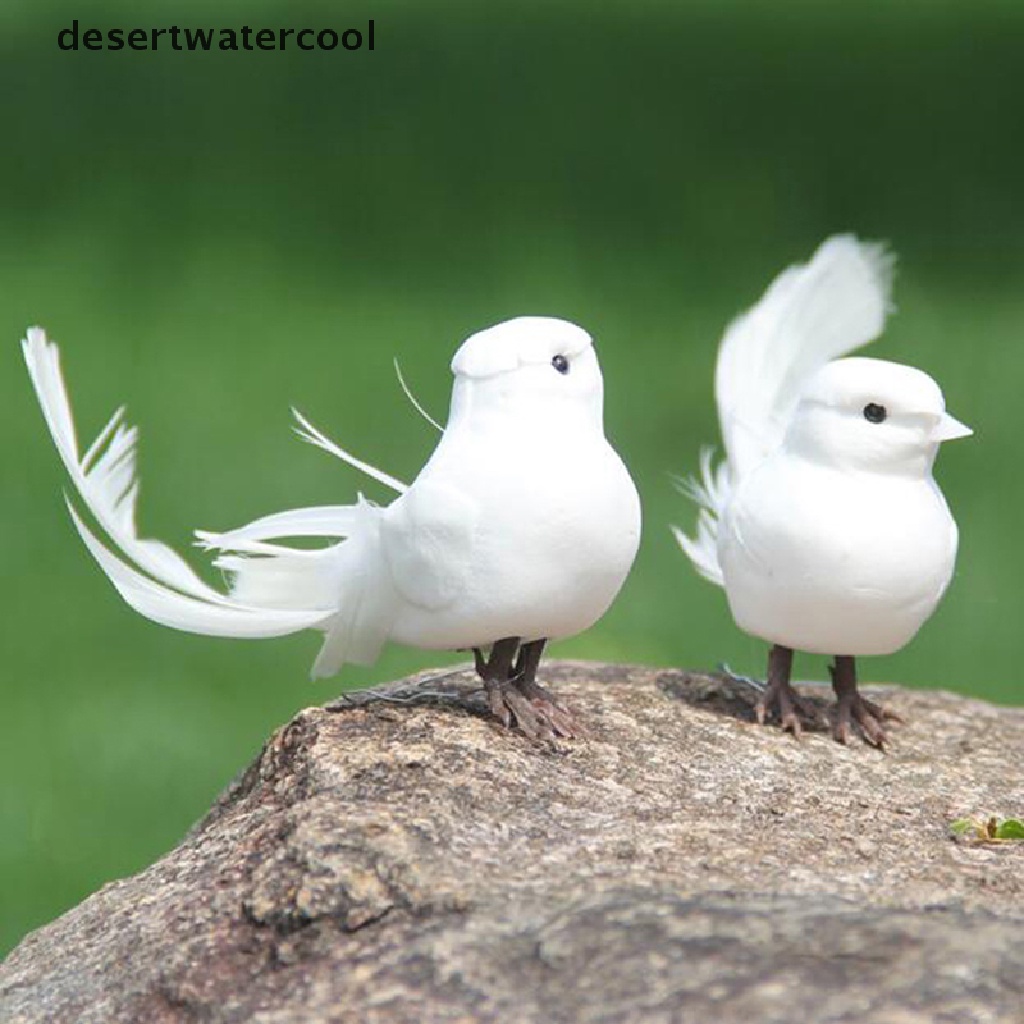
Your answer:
<point x="994" y="830"/>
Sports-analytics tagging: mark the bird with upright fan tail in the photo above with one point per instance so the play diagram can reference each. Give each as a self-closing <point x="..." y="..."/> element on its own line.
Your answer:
<point x="824" y="523"/>
<point x="521" y="527"/>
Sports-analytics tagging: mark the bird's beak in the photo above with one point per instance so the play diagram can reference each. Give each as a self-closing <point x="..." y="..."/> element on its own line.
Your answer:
<point x="949" y="429"/>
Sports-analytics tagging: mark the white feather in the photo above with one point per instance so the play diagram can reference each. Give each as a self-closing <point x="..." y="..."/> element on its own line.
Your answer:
<point x="310" y="434"/>
<point x="811" y="314"/>
<point x="275" y="590"/>
<point x="709" y="494"/>
<point x="163" y="605"/>
<point x="367" y="612"/>
<point x="104" y="478"/>
<point x="348" y="580"/>
<point x="322" y="521"/>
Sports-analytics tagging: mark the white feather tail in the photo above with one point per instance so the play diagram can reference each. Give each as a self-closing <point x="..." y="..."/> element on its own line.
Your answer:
<point x="350" y="578"/>
<point x="275" y="589"/>
<point x="709" y="494"/>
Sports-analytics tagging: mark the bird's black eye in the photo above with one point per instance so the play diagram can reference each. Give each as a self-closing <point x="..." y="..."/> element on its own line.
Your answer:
<point x="561" y="364"/>
<point x="875" y="413"/>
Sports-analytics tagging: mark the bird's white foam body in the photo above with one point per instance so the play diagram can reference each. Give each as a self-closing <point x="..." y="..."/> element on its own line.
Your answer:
<point x="524" y="521"/>
<point x="827" y="530"/>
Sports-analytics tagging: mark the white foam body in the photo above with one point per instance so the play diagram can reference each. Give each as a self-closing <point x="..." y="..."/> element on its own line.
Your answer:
<point x="832" y="561"/>
<point x="548" y="519"/>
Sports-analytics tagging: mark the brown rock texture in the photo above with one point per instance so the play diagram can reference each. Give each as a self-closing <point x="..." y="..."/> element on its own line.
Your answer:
<point x="398" y="857"/>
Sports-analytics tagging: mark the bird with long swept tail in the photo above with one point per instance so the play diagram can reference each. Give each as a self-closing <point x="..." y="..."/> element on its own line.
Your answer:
<point x="824" y="523"/>
<point x="521" y="527"/>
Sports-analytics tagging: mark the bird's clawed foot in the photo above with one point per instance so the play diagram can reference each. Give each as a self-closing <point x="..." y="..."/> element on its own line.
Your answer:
<point x="517" y="699"/>
<point x="530" y="707"/>
<point x="852" y="707"/>
<point x="793" y="710"/>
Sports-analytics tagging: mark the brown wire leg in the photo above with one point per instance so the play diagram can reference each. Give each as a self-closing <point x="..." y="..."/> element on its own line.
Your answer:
<point x="778" y="693"/>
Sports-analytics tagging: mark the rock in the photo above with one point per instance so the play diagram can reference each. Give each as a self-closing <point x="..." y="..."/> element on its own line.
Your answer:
<point x="398" y="857"/>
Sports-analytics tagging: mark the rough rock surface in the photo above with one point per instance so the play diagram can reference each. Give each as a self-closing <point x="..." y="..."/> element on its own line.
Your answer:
<point x="397" y="857"/>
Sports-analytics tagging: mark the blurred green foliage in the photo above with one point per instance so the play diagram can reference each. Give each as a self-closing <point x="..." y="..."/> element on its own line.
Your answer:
<point x="213" y="237"/>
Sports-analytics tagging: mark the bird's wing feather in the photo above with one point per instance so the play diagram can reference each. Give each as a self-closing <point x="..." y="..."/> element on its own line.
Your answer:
<point x="427" y="536"/>
<point x="810" y="315"/>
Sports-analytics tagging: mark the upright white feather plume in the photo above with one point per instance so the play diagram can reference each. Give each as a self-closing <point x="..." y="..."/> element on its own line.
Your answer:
<point x="275" y="590"/>
<point x="811" y="314"/>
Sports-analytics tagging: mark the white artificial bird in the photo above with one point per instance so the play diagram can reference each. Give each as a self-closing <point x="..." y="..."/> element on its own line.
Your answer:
<point x="824" y="523"/>
<point x="521" y="527"/>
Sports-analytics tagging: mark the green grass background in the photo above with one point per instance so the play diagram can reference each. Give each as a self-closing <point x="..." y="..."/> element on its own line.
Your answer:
<point x="212" y="238"/>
